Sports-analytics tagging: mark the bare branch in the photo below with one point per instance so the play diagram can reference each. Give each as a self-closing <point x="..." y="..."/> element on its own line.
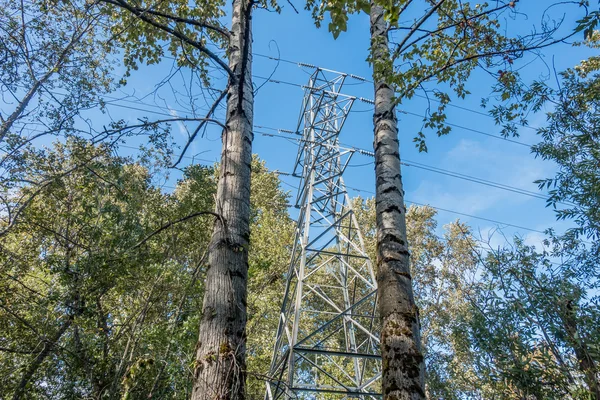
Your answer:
<point x="293" y="6"/>
<point x="207" y="119"/>
<point x="516" y="51"/>
<point x="168" y="225"/>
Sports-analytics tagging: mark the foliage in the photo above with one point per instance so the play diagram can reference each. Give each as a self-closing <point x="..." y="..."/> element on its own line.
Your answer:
<point x="444" y="270"/>
<point x="57" y="63"/>
<point x="148" y="32"/>
<point x="547" y="300"/>
<point x="89" y="278"/>
<point x="54" y="63"/>
<point x="497" y="323"/>
<point x="102" y="273"/>
<point x="84" y="257"/>
<point x="569" y="138"/>
<point x="271" y="238"/>
<point x="192" y="33"/>
<point x="436" y="46"/>
<point x="536" y="329"/>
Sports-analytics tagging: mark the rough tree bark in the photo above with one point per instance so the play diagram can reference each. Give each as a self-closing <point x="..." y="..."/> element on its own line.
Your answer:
<point x="403" y="367"/>
<point x="587" y="366"/>
<point x="31" y="369"/>
<point x="221" y="350"/>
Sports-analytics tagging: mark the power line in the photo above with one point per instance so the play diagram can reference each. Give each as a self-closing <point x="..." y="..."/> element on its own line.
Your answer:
<point x="472" y="130"/>
<point x="480" y="181"/>
<point x="278" y="81"/>
<point x="365" y="80"/>
<point x="499" y="223"/>
<point x="481" y="241"/>
<point x="407" y="163"/>
<point x="414" y="164"/>
<point x="454" y="125"/>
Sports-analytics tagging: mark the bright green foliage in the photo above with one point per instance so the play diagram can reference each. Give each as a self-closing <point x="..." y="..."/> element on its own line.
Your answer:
<point x="572" y="141"/>
<point x="142" y="42"/>
<point x="337" y="11"/>
<point x="89" y="275"/>
<point x="444" y="270"/>
<point x="193" y="33"/>
<point x="536" y="332"/>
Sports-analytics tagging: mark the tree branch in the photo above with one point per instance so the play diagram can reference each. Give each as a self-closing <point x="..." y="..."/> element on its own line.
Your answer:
<point x="37" y="361"/>
<point x="16" y="351"/>
<point x="190" y="21"/>
<point x="477" y="56"/>
<point x="43" y="185"/>
<point x="424" y="19"/>
<point x="168" y="225"/>
<point x="402" y="46"/>
<point x="206" y="119"/>
<point x="7" y="124"/>
<point x="141" y="15"/>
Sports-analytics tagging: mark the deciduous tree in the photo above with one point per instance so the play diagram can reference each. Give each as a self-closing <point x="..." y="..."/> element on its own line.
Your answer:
<point x="444" y="42"/>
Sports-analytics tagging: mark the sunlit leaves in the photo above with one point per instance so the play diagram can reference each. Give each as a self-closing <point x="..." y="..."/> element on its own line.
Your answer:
<point x="74" y="254"/>
<point x="143" y="43"/>
<point x="440" y="44"/>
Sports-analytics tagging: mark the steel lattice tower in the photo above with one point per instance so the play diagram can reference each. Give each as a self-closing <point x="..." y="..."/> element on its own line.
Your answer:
<point x="327" y="344"/>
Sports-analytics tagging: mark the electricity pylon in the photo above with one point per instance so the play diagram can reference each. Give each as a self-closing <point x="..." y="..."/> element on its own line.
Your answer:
<point x="327" y="343"/>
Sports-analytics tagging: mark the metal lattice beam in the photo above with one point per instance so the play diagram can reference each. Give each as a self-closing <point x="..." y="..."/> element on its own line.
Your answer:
<point x="327" y="343"/>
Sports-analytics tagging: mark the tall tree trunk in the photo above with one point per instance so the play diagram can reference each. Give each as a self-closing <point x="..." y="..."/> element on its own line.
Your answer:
<point x="221" y="351"/>
<point x="39" y="359"/>
<point x="403" y="367"/>
<point x="587" y="366"/>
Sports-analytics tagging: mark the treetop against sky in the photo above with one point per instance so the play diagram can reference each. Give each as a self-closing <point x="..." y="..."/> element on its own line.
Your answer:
<point x="469" y="149"/>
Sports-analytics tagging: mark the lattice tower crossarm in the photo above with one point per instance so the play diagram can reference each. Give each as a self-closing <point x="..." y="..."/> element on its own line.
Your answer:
<point x="327" y="342"/>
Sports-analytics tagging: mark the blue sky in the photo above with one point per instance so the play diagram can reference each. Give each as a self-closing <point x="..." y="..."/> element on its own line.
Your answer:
<point x="293" y="37"/>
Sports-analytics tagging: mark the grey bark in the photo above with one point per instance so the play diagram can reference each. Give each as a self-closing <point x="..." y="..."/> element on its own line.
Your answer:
<point x="39" y="359"/>
<point x="587" y="366"/>
<point x="220" y="358"/>
<point x="402" y="358"/>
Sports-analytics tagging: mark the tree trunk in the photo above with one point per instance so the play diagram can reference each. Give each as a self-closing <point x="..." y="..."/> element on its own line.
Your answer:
<point x="403" y="367"/>
<point x="54" y="69"/>
<point x="39" y="359"/>
<point x="221" y="350"/>
<point x="587" y="366"/>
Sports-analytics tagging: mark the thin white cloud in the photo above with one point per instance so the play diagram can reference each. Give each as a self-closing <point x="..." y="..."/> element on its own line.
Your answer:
<point x="518" y="169"/>
<point x="438" y="195"/>
<point x="501" y="164"/>
<point x="182" y="128"/>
